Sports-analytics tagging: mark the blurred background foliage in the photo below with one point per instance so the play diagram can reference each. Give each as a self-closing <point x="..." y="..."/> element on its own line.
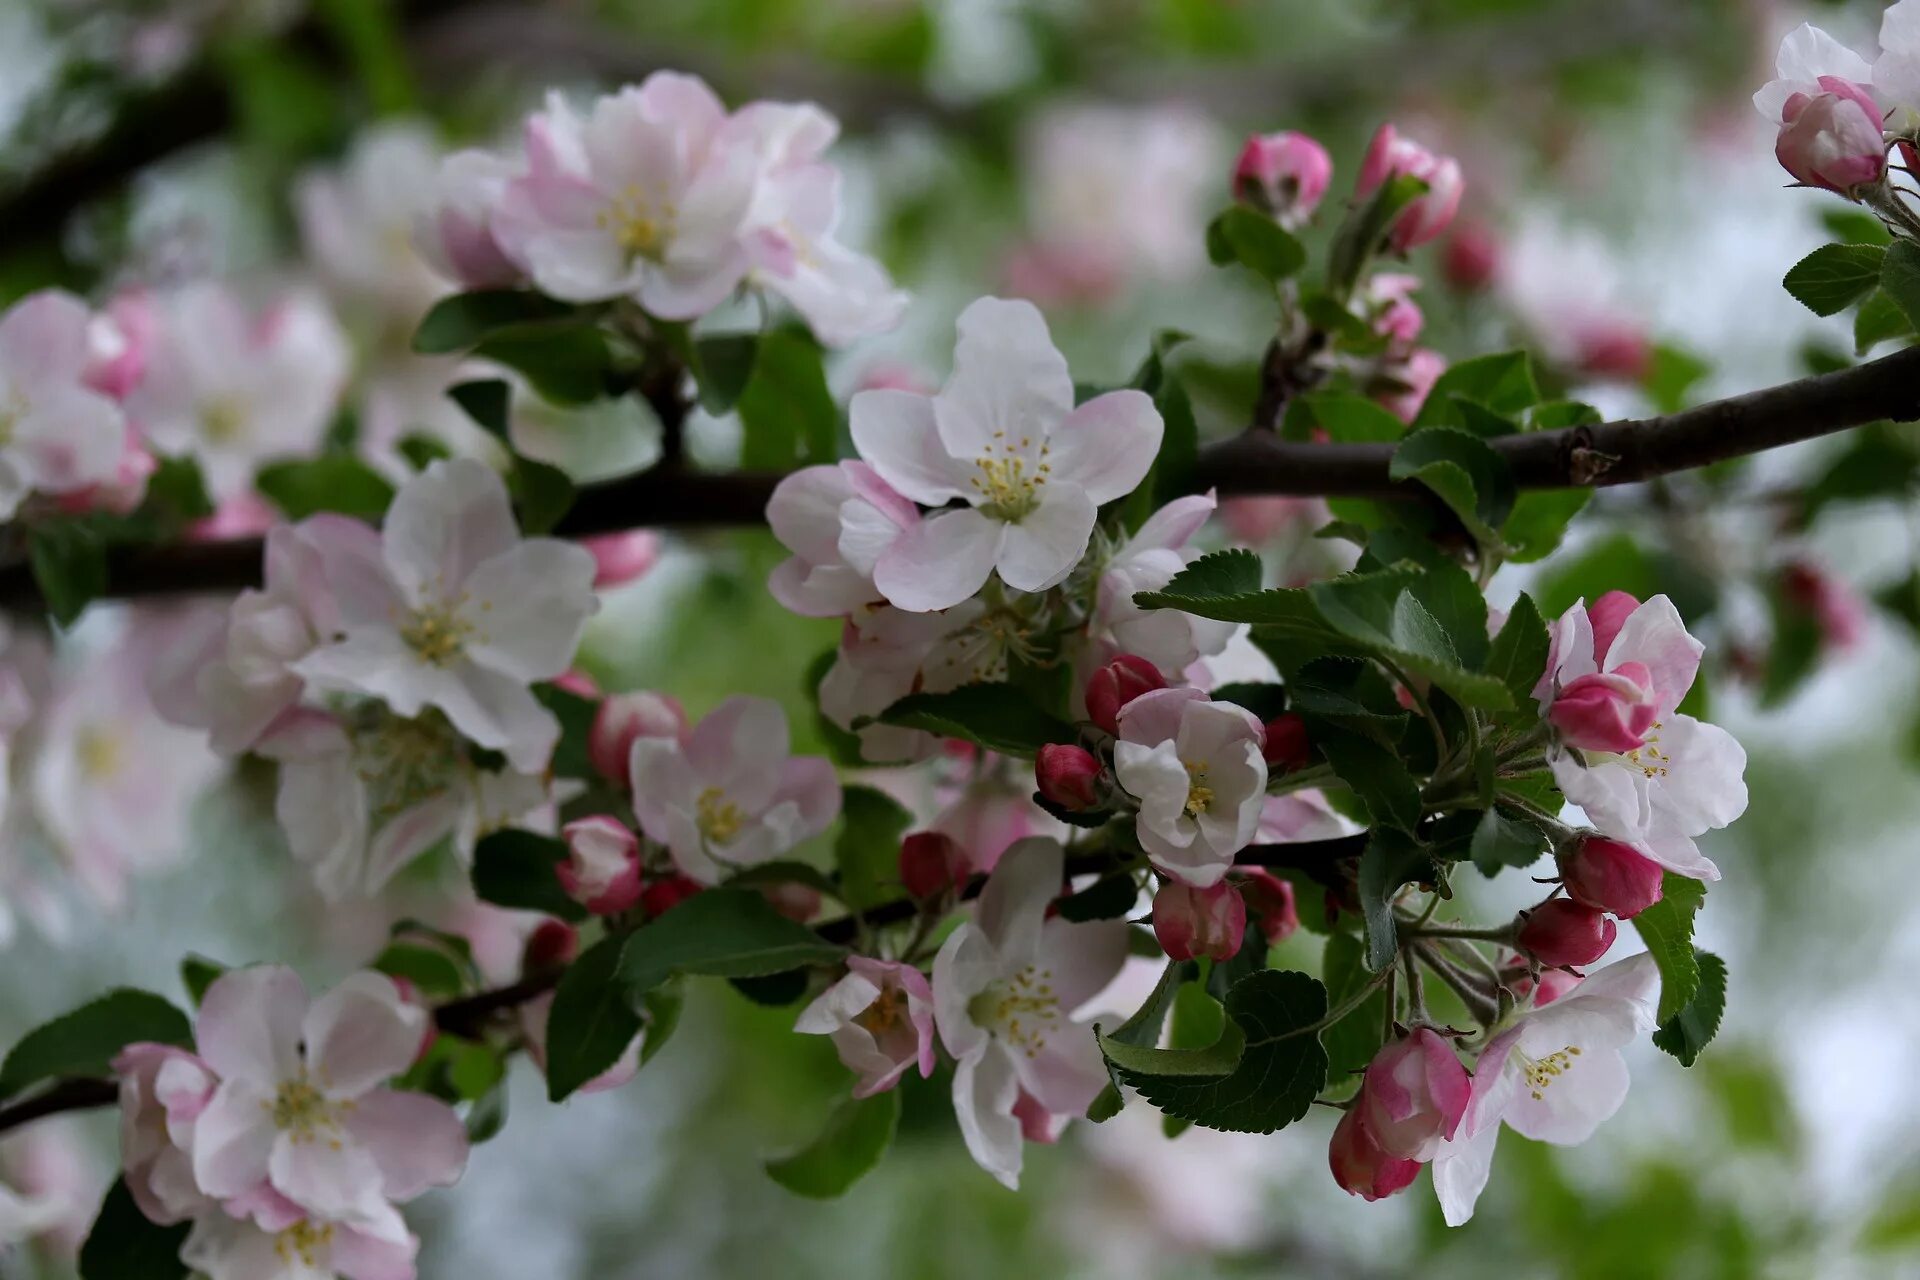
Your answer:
<point x="147" y="142"/>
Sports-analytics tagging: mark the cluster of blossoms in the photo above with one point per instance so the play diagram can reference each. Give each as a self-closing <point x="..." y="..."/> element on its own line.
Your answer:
<point x="1839" y="114"/>
<point x="278" y="1135"/>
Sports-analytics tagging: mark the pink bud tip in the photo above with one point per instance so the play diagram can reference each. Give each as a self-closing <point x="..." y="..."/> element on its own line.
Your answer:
<point x="1193" y="922"/>
<point x="1564" y="933"/>
<point x="1608" y="875"/>
<point x="1118" y="683"/>
<point x="1359" y="1164"/>
<point x="1286" y="747"/>
<point x="1068" y="776"/>
<point x="1607" y="615"/>
<point x="620" y="558"/>
<point x="625" y="717"/>
<point x="551" y="944"/>
<point x="931" y="862"/>
<point x="1271" y="901"/>
<point x="1283" y="174"/>
<point x="602" y="869"/>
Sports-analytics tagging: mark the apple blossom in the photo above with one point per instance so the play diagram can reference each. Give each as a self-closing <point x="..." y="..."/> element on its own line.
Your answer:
<point x="1284" y="174"/>
<point x="460" y="613"/>
<point x="602" y="870"/>
<point x="1005" y="987"/>
<point x="1361" y="1166"/>
<point x="932" y="862"/>
<point x="837" y="521"/>
<point x="454" y="233"/>
<point x="1168" y="638"/>
<point x="1833" y="139"/>
<point x="52" y="1173"/>
<point x="58" y="435"/>
<point x="1067" y="776"/>
<point x="620" y="558"/>
<point x="1610" y="876"/>
<point x="644" y="196"/>
<point x="1565" y="286"/>
<point x="24" y="1216"/>
<point x="235" y="387"/>
<point x="1390" y="155"/>
<point x="994" y="812"/>
<point x="1414" y="1095"/>
<point x="295" y="1247"/>
<point x="622" y="718"/>
<point x="1685" y="779"/>
<point x="727" y="795"/>
<point x="1553" y="1075"/>
<point x="1563" y="933"/>
<point x="1113" y="686"/>
<point x="1004" y="436"/>
<point x="119" y="339"/>
<point x="1395" y="316"/>
<point x="1270" y="900"/>
<point x="1190" y="923"/>
<point x="302" y="1108"/>
<point x="163" y="1090"/>
<point x="356" y="221"/>
<point x="886" y="653"/>
<point x="1195" y="767"/>
<point x="881" y="1019"/>
<point x="1896" y="72"/>
<point x="1606" y="712"/>
<point x="1807" y="56"/>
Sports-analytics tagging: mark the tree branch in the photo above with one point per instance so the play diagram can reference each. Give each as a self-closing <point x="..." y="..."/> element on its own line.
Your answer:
<point x="1255" y="462"/>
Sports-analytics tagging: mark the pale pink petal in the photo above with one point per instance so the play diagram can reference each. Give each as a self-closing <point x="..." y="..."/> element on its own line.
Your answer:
<point x="1007" y="377"/>
<point x="898" y="437"/>
<point x="1012" y="907"/>
<point x="1040" y="549"/>
<point x="1107" y="445"/>
<point x="944" y="559"/>
<point x="528" y="607"/>
<point x="249" y="1025"/>
<point x="233" y="1139"/>
<point x="361" y="1034"/>
<point x="985" y="1088"/>
<point x="328" y="1178"/>
<point x="443" y="524"/>
<point x="417" y="1141"/>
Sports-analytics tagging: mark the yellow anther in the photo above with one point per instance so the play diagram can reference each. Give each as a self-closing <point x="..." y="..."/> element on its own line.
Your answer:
<point x="718" y="818"/>
<point x="641" y="226"/>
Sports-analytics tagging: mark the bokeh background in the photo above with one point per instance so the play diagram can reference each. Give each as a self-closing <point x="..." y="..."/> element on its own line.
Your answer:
<point x="1619" y="184"/>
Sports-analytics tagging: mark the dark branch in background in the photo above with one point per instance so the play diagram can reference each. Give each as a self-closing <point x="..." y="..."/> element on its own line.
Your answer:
<point x="1255" y="462"/>
<point x="469" y="1015"/>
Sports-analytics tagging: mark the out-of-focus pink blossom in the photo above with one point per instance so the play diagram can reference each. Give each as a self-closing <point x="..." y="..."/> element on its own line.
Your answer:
<point x="623" y="719"/>
<point x="1286" y="746"/>
<point x="880" y="1017"/>
<point x="1284" y="174"/>
<point x="1270" y="899"/>
<point x="1199" y="922"/>
<point x="620" y="558"/>
<point x="1831" y="601"/>
<point x="932" y="862"/>
<point x="1390" y="155"/>
<point x="1406" y="384"/>
<point x="1470" y="259"/>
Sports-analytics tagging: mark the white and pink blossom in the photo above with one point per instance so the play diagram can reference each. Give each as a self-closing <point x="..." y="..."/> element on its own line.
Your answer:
<point x="728" y="795"/>
<point x="357" y="219"/>
<point x="837" y="521"/>
<point x="163" y="1090"/>
<point x="1391" y="155"/>
<point x="1168" y="638"/>
<point x="1004" y="437"/>
<point x="276" y="1243"/>
<point x="602" y="868"/>
<point x="624" y="717"/>
<point x="880" y="1017"/>
<point x="61" y="435"/>
<point x="454" y="231"/>
<point x="1197" y="770"/>
<point x="1006" y="986"/>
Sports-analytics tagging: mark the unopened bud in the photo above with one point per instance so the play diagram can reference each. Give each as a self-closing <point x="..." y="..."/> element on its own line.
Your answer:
<point x="1116" y="684"/>
<point x="1067" y="776"/>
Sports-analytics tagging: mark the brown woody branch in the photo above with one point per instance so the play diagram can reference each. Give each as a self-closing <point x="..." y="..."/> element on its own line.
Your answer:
<point x="1255" y="462"/>
<point x="469" y="1015"/>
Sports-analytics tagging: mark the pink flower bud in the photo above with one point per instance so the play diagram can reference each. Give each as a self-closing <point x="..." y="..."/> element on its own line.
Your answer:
<point x="620" y="558"/>
<point x="1396" y="317"/>
<point x="1607" y="615"/>
<point x="1403" y="387"/>
<point x="1284" y="174"/>
<point x="1517" y="977"/>
<point x="1563" y="932"/>
<point x="118" y="343"/>
<point x="552" y="943"/>
<point x="1359" y="1164"/>
<point x="664" y="893"/>
<point x="1834" y="139"/>
<point x="1613" y="348"/>
<point x="931" y="862"/>
<point x="456" y="236"/>
<point x="410" y="995"/>
<point x="1286" y="746"/>
<point x="578" y="683"/>
<point x="1199" y="922"/>
<point x="1068" y="776"/>
<point x="1610" y="711"/>
<point x="123" y="494"/>
<point x="1470" y="259"/>
<point x="1037" y="1124"/>
<point x="1835" y="606"/>
<point x="1116" y="684"/>
<point x="797" y="902"/>
<point x="602" y="870"/>
<point x="1414" y="1096"/>
<point x="1271" y="901"/>
<point x="625" y="717"/>
<point x="1610" y="876"/>
<point x="1389" y="155"/>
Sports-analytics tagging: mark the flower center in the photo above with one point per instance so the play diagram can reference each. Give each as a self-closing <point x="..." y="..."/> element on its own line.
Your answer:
<point x="1648" y="758"/>
<point x="884" y="1014"/>
<point x="436" y="633"/>
<point x="1009" y="483"/>
<point x="311" y="1242"/>
<point x="302" y="1111"/>
<point x="13" y="407"/>
<point x="1022" y="1010"/>
<point x="223" y="420"/>
<point x="99" y="752"/>
<point x="1199" y="794"/>
<point x="718" y="818"/>
<point x="1542" y="1072"/>
<point x="403" y="762"/>
<point x="640" y="225"/>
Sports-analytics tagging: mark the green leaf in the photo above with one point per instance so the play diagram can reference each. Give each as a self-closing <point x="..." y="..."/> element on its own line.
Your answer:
<point x="336" y="482"/>
<point x="1518" y="657"/>
<point x="995" y="716"/>
<point x="1353" y="419"/>
<point x="1351" y="1042"/>
<point x="465" y="320"/>
<point x="197" y="973"/>
<point x="369" y="31"/>
<point x="856" y="1136"/>
<point x="1107" y="898"/>
<point x="1539" y="521"/>
<point x="1878" y="319"/>
<point x="125" y="1245"/>
<point x="1392" y="859"/>
<point x="722" y="933"/>
<point x="1502" y="382"/>
<point x="1855" y="226"/>
<point x="1265" y="700"/>
<point x="1900" y="279"/>
<point x="576" y="715"/>
<point x="722" y="367"/>
<point x="420" y="449"/>
<point x="69" y="561"/>
<point x="1667" y="929"/>
<point x="434" y="972"/>
<point x="1504" y="839"/>
<point x="787" y="415"/>
<point x="1359" y="236"/>
<point x="486" y="401"/>
<point x="867" y="850"/>
<point x="177" y="491"/>
<point x="1835" y="276"/>
<point x="1217" y="575"/>
<point x="542" y="495"/>
<point x="515" y="868"/>
<point x="663" y="1007"/>
<point x="1692" y="1027"/>
<point x="593" y="1020"/>
<point x="566" y="364"/>
<point x="1473" y="480"/>
<point x="1261" y="1075"/>
<point x="84" y="1042"/>
<point x="1256" y="242"/>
